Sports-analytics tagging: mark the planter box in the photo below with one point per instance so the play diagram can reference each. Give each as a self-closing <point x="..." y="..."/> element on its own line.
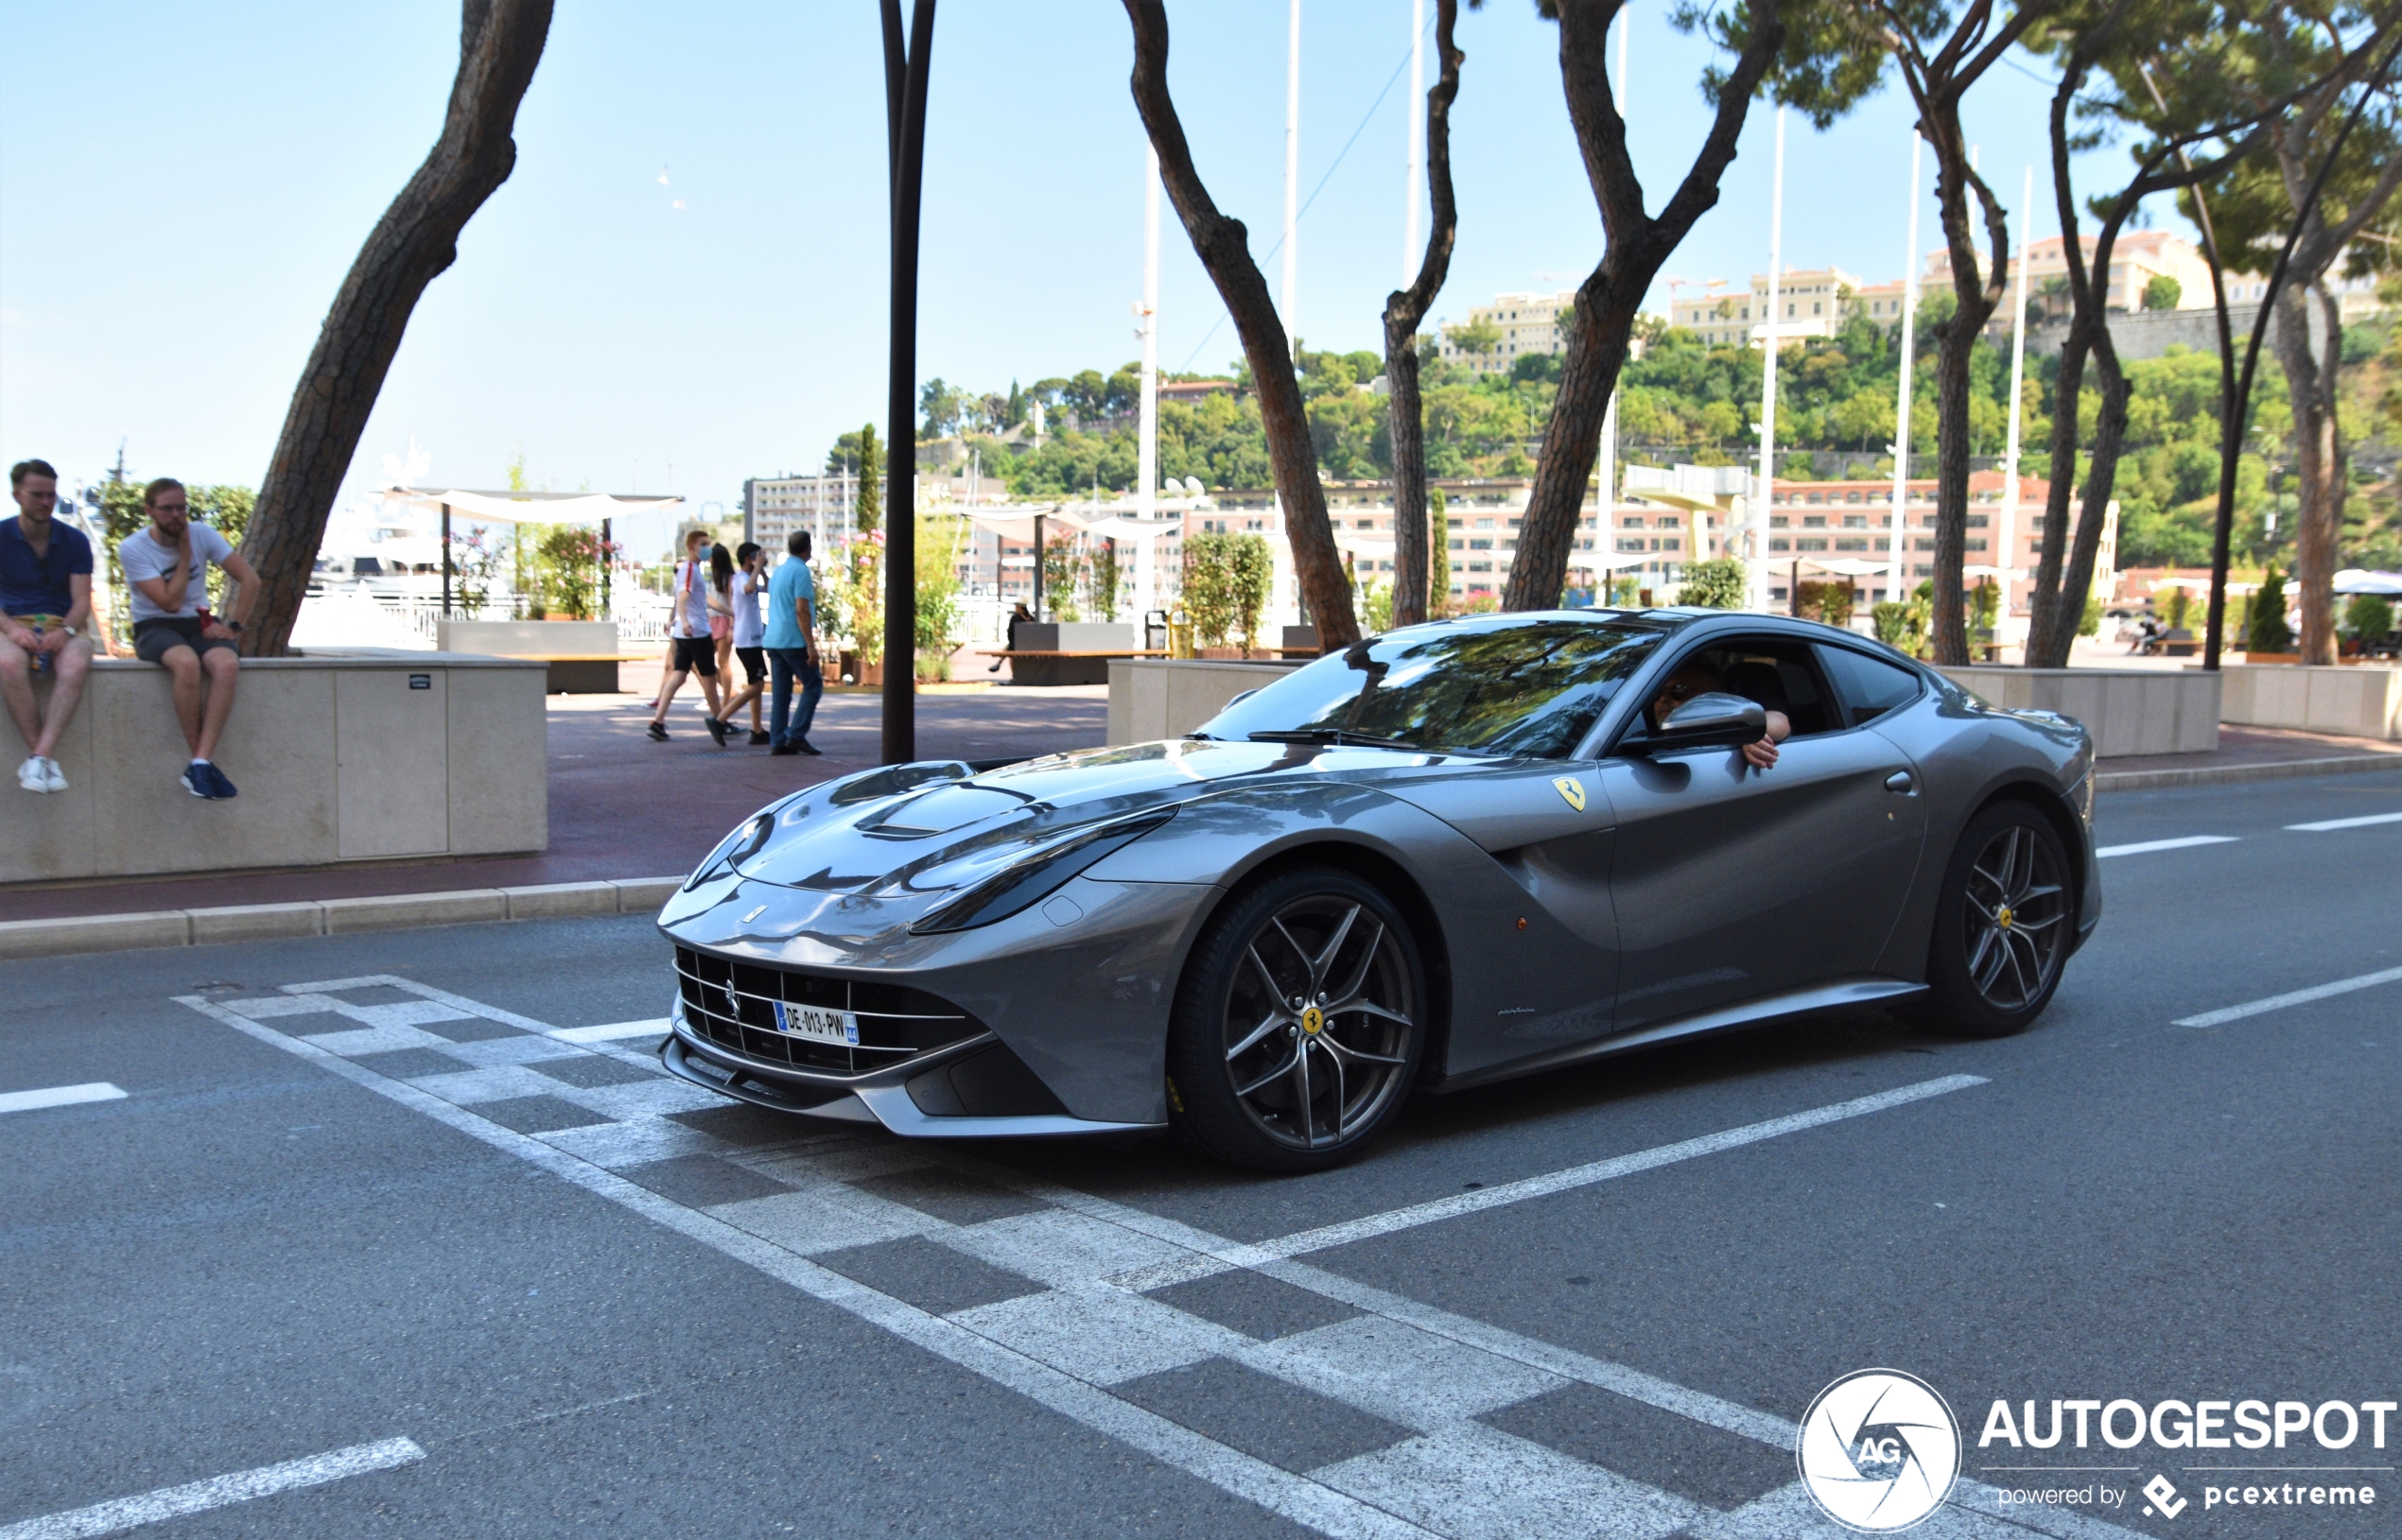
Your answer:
<point x="1159" y="698"/>
<point x="2355" y="700"/>
<point x="341" y="757"/>
<point x="2128" y="711"/>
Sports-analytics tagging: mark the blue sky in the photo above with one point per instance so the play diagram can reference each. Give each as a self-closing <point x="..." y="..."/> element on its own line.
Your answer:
<point x="183" y="188"/>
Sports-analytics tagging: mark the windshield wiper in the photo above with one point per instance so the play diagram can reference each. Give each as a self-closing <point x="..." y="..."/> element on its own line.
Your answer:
<point x="1339" y="737"/>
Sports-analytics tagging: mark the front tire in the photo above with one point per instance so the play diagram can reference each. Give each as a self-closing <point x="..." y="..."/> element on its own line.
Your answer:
<point x="2002" y="925"/>
<point x="1298" y="1024"/>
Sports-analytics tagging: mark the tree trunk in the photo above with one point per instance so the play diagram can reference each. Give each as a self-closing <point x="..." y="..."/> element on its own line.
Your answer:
<point x="1224" y="248"/>
<point x="1977" y="296"/>
<point x="1608" y="300"/>
<point x="1402" y="313"/>
<point x="2318" y="473"/>
<point x="501" y="42"/>
<point x="2101" y="475"/>
<point x="2048" y="602"/>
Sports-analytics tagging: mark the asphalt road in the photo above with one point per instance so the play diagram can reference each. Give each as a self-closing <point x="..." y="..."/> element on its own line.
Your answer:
<point x="320" y="1224"/>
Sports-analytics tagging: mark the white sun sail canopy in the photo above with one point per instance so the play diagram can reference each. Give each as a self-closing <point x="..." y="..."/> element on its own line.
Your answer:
<point x="531" y="507"/>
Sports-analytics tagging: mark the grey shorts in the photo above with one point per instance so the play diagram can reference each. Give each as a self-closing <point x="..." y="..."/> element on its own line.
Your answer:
<point x="154" y="639"/>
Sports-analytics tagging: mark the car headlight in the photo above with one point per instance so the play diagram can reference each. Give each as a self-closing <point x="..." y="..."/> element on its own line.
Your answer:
<point x="1034" y="876"/>
<point x="736" y="848"/>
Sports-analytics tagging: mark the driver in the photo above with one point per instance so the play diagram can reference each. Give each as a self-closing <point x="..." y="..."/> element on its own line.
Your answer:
<point x="1694" y="676"/>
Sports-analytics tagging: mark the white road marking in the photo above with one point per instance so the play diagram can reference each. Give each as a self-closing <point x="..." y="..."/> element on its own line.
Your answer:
<point x="2299" y="996"/>
<point x="2147" y="846"/>
<point x="1418" y="1365"/>
<point x="1296" y="1497"/>
<point x="59" y="1096"/>
<point x="2347" y="823"/>
<point x="1456" y="1205"/>
<point x="653" y="1027"/>
<point x="216" y="1492"/>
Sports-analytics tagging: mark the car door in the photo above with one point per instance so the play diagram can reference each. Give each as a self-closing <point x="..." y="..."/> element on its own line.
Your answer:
<point x="1729" y="883"/>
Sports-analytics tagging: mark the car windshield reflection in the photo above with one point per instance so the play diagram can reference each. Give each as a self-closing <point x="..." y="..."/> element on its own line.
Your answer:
<point x="1531" y="686"/>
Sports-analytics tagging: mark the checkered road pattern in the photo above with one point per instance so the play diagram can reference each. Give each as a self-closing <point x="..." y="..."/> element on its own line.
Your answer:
<point x="1345" y="1407"/>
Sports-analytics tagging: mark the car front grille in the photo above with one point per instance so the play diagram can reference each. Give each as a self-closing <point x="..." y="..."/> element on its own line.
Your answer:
<point x="731" y="1004"/>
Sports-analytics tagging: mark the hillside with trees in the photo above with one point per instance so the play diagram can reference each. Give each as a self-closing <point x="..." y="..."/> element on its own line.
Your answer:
<point x="1685" y="401"/>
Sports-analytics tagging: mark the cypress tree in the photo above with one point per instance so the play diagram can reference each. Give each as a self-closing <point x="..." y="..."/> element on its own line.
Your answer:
<point x="1438" y="559"/>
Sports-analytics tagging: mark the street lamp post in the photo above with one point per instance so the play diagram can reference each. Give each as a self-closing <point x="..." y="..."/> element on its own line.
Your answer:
<point x="906" y="61"/>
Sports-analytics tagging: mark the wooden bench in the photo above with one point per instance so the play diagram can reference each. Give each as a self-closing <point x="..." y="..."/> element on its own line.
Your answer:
<point x="1058" y="665"/>
<point x="584" y="673"/>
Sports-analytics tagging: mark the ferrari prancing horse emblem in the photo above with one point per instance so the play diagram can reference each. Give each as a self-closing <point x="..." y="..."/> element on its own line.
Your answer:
<point x="1571" y="792"/>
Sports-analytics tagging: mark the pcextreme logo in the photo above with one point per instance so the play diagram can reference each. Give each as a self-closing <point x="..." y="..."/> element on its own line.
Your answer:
<point x="1879" y="1451"/>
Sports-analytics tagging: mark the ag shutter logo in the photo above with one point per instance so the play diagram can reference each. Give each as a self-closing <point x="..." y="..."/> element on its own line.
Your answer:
<point x="1878" y="1451"/>
<point x="2164" y="1495"/>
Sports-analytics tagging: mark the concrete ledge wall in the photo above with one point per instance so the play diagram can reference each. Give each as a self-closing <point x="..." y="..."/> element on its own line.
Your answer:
<point x="2128" y="712"/>
<point x="338" y="758"/>
<point x="1159" y="698"/>
<point x="332" y="917"/>
<point x="527" y="638"/>
<point x="2361" y="701"/>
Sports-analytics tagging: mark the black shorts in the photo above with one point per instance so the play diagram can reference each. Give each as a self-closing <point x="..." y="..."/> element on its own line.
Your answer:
<point x="754" y="664"/>
<point x="154" y="639"/>
<point x="696" y="655"/>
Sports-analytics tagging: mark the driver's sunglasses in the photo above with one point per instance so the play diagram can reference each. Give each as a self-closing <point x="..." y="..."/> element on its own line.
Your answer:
<point x="1677" y="692"/>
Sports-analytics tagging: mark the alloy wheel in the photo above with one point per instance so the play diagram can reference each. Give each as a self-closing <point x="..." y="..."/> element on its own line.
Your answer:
<point x="2016" y="919"/>
<point x="1319" y="1023"/>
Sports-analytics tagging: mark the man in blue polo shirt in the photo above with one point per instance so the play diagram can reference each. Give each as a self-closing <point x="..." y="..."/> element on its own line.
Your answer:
<point x="46" y="603"/>
<point x="791" y="650"/>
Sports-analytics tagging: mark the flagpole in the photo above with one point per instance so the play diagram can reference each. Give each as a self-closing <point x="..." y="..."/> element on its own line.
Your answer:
<point x="1758" y="564"/>
<point x="1292" y="168"/>
<point x="1898" y="584"/>
<point x="2007" y="556"/>
<point x="1606" y="499"/>
<point x="1147" y="455"/>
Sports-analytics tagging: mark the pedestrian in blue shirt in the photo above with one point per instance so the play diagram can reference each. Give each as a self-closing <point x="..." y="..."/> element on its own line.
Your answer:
<point x="791" y="650"/>
<point x="45" y="605"/>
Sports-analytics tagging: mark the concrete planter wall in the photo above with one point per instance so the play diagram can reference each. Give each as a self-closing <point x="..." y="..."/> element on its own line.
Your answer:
<point x="583" y="641"/>
<point x="2128" y="712"/>
<point x="338" y="758"/>
<point x="1158" y="698"/>
<point x="2358" y="701"/>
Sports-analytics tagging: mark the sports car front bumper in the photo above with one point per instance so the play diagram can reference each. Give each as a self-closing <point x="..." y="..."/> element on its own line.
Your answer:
<point x="944" y="1093"/>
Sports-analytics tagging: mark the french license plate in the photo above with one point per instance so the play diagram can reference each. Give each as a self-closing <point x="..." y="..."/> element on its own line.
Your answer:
<point x="817" y="1023"/>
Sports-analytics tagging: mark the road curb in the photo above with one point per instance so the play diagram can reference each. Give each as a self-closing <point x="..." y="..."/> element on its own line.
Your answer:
<point x="83" y="934"/>
<point x="2232" y="774"/>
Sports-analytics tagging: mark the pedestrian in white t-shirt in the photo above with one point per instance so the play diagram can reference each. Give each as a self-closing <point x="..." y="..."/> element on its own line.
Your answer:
<point x="692" y="649"/>
<point x="166" y="568"/>
<point x="746" y="641"/>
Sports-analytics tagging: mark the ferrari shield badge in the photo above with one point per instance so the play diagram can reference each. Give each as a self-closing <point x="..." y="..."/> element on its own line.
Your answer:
<point x="1570" y="792"/>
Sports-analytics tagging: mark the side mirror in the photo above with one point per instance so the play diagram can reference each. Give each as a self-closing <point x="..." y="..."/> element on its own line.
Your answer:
<point x="1714" y="720"/>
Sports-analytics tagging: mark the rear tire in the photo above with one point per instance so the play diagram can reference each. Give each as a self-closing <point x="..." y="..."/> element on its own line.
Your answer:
<point x="1298" y="1024"/>
<point x="2004" y="924"/>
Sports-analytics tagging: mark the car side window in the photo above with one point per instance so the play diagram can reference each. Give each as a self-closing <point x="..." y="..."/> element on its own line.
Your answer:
<point x="1869" y="686"/>
<point x="1778" y="672"/>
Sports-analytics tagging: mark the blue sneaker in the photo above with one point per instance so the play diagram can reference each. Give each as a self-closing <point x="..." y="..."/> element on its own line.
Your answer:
<point x="220" y="786"/>
<point x="194" y="780"/>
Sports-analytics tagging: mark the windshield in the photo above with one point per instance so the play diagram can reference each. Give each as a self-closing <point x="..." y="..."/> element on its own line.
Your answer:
<point x="1505" y="686"/>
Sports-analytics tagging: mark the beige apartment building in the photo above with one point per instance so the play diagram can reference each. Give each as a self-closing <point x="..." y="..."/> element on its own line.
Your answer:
<point x="1813" y="301"/>
<point x="1523" y="323"/>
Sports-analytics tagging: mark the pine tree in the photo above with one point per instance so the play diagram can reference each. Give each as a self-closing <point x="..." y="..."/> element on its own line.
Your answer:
<point x="871" y="497"/>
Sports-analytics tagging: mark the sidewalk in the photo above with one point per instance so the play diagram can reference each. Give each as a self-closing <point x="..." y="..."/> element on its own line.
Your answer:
<point x="624" y="806"/>
<point x="2248" y="754"/>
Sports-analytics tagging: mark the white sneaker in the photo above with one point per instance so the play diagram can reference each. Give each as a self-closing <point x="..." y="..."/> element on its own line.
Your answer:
<point x="31" y="777"/>
<point x="55" y="776"/>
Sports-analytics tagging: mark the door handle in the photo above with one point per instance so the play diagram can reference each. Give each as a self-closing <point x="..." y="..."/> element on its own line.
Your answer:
<point x="1901" y="781"/>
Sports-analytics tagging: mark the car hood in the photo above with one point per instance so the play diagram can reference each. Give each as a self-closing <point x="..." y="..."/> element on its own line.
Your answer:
<point x="938" y="825"/>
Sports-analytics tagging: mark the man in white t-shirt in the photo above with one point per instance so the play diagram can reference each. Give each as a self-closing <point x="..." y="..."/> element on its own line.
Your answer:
<point x="166" y="568"/>
<point x="693" y="651"/>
